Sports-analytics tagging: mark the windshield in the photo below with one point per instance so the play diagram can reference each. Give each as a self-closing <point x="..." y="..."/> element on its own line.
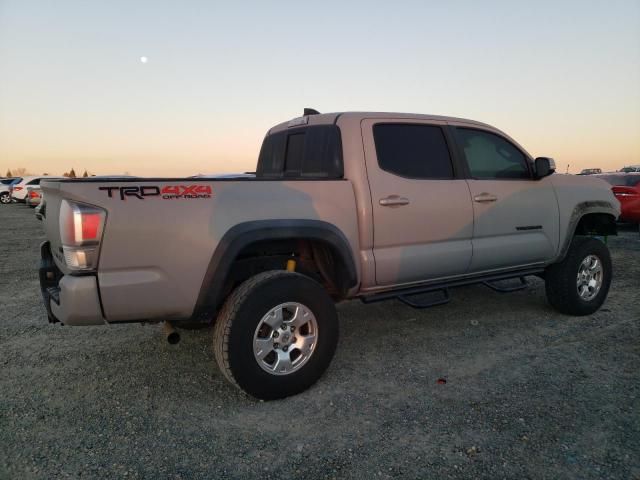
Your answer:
<point x="621" y="180"/>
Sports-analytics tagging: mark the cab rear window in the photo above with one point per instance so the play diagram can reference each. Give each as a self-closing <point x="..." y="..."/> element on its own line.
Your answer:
<point x="307" y="152"/>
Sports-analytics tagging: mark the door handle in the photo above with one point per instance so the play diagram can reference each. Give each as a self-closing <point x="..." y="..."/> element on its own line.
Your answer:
<point x="394" y="201"/>
<point x="485" y="197"/>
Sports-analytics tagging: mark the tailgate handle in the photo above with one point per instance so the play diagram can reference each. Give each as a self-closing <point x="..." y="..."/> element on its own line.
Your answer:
<point x="394" y="201"/>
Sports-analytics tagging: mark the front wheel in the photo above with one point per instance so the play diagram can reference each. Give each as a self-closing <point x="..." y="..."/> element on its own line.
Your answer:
<point x="5" y="198"/>
<point x="579" y="284"/>
<point x="276" y="334"/>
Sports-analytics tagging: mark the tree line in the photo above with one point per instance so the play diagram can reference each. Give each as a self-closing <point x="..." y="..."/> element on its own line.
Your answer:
<point x="23" y="172"/>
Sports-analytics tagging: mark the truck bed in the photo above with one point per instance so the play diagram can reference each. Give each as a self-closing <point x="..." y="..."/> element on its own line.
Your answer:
<point x="160" y="234"/>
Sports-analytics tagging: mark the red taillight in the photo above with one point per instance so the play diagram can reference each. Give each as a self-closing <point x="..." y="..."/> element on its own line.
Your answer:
<point x="15" y="189"/>
<point x="80" y="224"/>
<point x="91" y="224"/>
<point x="33" y="194"/>
<point x="80" y="234"/>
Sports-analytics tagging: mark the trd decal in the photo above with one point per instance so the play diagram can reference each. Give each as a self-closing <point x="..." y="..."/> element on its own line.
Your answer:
<point x="169" y="192"/>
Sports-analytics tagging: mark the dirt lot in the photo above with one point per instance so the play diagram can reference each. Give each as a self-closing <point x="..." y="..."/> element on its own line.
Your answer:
<point x="529" y="393"/>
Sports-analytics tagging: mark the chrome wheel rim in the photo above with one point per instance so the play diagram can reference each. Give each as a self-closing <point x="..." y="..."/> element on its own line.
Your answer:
<point x="590" y="277"/>
<point x="4" y="198"/>
<point x="285" y="339"/>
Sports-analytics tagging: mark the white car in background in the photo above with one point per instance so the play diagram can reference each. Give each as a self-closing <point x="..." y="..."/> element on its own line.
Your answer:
<point x="5" y="189"/>
<point x="18" y="191"/>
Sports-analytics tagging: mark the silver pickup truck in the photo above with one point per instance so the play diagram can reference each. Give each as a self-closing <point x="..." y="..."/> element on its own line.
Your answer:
<point x="344" y="205"/>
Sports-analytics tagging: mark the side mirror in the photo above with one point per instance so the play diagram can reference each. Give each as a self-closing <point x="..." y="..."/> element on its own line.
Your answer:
<point x="545" y="166"/>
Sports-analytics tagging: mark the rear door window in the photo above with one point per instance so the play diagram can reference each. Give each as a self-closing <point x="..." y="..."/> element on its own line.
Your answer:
<point x="413" y="150"/>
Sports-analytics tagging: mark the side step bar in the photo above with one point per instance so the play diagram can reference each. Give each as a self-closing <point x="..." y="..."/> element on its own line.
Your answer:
<point x="404" y="294"/>
<point x="446" y="298"/>
<point x="500" y="289"/>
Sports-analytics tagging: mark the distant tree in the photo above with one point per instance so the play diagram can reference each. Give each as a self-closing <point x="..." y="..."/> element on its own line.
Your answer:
<point x="85" y="174"/>
<point x="8" y="174"/>
<point x="72" y="173"/>
<point x="20" y="172"/>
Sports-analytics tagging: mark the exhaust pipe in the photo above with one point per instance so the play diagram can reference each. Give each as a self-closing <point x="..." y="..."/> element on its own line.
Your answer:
<point x="170" y="333"/>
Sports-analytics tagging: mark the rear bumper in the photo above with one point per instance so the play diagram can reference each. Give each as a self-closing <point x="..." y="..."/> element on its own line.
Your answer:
<point x="71" y="300"/>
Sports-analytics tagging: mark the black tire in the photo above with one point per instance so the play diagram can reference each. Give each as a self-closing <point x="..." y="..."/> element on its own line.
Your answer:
<point x="243" y="311"/>
<point x="560" y="281"/>
<point x="5" y="198"/>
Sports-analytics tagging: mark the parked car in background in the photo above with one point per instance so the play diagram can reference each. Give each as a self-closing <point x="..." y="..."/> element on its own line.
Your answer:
<point x="18" y="191"/>
<point x="33" y="197"/>
<point x="590" y="171"/>
<point x="5" y="189"/>
<point x="626" y="188"/>
<point x="630" y="169"/>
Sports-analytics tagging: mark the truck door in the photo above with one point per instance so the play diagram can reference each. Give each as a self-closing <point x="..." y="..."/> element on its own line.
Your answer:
<point x="422" y="212"/>
<point x="516" y="217"/>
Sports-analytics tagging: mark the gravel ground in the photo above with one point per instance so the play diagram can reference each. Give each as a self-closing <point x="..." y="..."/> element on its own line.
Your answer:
<point x="529" y="393"/>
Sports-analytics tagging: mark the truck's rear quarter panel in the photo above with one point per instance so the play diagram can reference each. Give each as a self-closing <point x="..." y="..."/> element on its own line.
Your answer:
<point x="155" y="251"/>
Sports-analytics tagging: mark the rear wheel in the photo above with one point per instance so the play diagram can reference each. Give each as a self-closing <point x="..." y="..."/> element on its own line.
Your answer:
<point x="5" y="198"/>
<point x="579" y="284"/>
<point x="276" y="334"/>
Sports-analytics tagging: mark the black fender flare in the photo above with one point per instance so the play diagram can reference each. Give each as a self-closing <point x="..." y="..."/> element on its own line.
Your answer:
<point x="246" y="233"/>
<point x="580" y="211"/>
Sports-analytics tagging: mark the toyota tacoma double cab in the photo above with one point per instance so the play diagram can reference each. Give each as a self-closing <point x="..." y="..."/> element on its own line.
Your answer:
<point x="342" y="206"/>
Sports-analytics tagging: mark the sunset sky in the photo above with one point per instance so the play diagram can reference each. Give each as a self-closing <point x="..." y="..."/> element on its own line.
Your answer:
<point x="562" y="77"/>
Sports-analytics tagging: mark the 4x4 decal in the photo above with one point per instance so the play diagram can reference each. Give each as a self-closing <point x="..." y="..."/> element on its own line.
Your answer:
<point x="169" y="192"/>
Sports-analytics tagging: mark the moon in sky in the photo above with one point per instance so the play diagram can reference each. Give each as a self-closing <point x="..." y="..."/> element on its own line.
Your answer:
<point x="144" y="59"/>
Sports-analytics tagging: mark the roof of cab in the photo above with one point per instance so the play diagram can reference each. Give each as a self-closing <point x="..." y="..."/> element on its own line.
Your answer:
<point x="328" y="118"/>
<point x="353" y="119"/>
